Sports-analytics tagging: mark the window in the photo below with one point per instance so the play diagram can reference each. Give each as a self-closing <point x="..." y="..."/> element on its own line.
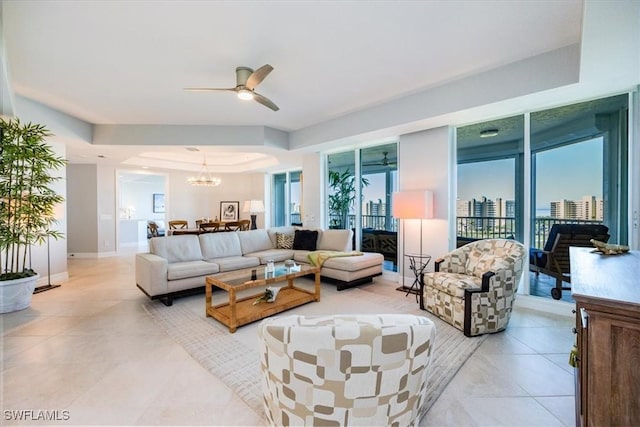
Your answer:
<point x="490" y="186"/>
<point x="579" y="174"/>
<point x="579" y="168"/>
<point x="360" y="198"/>
<point x="287" y="198"/>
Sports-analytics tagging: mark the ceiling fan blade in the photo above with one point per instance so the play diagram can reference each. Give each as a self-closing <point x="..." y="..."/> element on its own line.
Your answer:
<point x="207" y="89"/>
<point x="258" y="75"/>
<point x="265" y="101"/>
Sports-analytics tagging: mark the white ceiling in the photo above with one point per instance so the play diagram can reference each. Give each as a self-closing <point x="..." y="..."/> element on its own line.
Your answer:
<point x="126" y="62"/>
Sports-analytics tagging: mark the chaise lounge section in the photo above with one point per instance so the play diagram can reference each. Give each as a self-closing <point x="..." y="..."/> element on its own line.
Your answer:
<point x="178" y="265"/>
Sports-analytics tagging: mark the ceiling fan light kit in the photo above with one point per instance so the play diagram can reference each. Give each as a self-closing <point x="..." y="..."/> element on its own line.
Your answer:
<point x="246" y="81"/>
<point x="245" y="94"/>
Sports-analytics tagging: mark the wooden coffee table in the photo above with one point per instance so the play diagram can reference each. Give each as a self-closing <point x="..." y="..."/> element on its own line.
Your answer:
<point x="237" y="312"/>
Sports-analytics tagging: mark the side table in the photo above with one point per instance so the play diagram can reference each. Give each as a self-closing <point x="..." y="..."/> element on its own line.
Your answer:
<point x="417" y="264"/>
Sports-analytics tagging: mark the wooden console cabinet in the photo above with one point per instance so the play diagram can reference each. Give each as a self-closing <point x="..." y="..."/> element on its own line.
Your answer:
<point x="607" y="293"/>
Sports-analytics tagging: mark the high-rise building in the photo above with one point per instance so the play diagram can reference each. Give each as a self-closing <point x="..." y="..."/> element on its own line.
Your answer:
<point x="463" y="208"/>
<point x="588" y="208"/>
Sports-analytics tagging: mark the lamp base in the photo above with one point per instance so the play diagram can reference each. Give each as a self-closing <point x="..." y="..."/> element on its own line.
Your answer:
<point x="44" y="288"/>
<point x="408" y="290"/>
<point x="253" y="222"/>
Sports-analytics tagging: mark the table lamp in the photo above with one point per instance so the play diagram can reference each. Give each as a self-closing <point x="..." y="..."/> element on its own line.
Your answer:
<point x="253" y="207"/>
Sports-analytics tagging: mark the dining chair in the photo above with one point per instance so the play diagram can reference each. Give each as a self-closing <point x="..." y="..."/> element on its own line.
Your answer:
<point x="209" y="227"/>
<point x="178" y="224"/>
<point x="245" y="224"/>
<point x="232" y="226"/>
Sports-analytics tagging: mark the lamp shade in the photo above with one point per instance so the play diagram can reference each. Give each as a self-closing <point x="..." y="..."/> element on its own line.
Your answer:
<point x="416" y="204"/>
<point x="253" y="206"/>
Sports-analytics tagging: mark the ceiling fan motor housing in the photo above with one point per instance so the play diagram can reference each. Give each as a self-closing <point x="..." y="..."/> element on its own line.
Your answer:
<point x="242" y="75"/>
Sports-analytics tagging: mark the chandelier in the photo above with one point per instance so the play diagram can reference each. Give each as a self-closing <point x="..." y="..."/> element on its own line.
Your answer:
<point x="204" y="178"/>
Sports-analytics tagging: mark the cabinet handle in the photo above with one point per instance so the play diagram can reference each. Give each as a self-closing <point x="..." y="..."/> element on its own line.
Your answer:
<point x="574" y="330"/>
<point x="584" y="316"/>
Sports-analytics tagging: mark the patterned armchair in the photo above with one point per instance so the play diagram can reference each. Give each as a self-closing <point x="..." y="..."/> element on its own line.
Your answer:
<point x="473" y="287"/>
<point x="345" y="369"/>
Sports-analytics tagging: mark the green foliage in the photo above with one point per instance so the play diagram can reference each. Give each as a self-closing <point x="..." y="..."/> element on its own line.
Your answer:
<point x="26" y="200"/>
<point x="344" y="195"/>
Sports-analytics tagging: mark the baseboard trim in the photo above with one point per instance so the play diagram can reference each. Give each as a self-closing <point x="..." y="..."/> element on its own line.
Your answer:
<point x="546" y="305"/>
<point x="91" y="254"/>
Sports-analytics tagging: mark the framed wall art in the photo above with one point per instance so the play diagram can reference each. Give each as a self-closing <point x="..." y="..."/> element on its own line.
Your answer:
<point x="229" y="211"/>
<point x="158" y="203"/>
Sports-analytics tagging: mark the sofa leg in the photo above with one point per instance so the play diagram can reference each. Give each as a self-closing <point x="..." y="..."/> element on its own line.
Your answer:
<point x="168" y="300"/>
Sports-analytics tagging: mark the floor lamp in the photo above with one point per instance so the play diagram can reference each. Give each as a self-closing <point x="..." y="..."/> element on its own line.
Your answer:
<point x="253" y="207"/>
<point x="414" y="204"/>
<point x="48" y="285"/>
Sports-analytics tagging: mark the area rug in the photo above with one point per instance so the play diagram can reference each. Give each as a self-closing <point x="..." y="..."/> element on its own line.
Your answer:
<point x="235" y="360"/>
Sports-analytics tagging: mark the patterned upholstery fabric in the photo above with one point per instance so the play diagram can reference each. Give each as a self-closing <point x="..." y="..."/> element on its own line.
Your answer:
<point x="345" y="369"/>
<point x="284" y="241"/>
<point x="464" y="295"/>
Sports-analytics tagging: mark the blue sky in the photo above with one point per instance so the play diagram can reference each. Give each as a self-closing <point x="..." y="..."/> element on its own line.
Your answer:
<point x="564" y="173"/>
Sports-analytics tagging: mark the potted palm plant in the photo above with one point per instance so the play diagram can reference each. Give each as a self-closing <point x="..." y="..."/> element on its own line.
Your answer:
<point x="26" y="206"/>
<point x="343" y="197"/>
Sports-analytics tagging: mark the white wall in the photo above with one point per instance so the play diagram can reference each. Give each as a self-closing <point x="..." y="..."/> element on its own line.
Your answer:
<point x="185" y="201"/>
<point x="313" y="200"/>
<point x="82" y="208"/>
<point x="182" y="201"/>
<point x="423" y="159"/>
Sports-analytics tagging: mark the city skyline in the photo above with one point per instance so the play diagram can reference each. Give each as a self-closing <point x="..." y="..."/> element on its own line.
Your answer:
<point x="582" y="162"/>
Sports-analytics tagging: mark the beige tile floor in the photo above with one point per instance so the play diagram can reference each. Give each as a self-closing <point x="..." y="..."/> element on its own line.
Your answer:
<point x="90" y="349"/>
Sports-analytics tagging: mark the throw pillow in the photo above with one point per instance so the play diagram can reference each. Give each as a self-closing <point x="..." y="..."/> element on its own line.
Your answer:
<point x="284" y="241"/>
<point x="305" y="240"/>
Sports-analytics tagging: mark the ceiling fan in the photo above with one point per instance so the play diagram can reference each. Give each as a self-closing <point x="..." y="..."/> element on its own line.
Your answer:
<point x="383" y="162"/>
<point x="246" y="81"/>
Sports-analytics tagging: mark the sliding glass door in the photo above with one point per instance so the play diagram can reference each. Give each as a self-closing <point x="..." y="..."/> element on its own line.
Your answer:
<point x="359" y="188"/>
<point x="287" y="198"/>
<point x="579" y="175"/>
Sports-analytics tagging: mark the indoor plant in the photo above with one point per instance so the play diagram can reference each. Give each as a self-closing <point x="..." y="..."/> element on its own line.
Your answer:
<point x="344" y="195"/>
<point x="26" y="206"/>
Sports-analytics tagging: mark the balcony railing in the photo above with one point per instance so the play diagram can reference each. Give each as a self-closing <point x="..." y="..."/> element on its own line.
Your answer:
<point x="473" y="227"/>
<point x="479" y="227"/>
<point x="375" y="222"/>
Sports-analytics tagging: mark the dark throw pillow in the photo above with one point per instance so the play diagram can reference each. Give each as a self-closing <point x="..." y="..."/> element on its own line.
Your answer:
<point x="305" y="240"/>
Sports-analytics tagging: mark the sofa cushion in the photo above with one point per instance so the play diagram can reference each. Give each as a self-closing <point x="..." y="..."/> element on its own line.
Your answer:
<point x="306" y="240"/>
<point x="235" y="262"/>
<point x="289" y="229"/>
<point x="276" y="255"/>
<point x="452" y="284"/>
<point x="354" y="263"/>
<point x="255" y="240"/>
<point x="301" y="257"/>
<point x="335" y="240"/>
<point x="182" y="270"/>
<point x="284" y="241"/>
<point x="176" y="248"/>
<point x="220" y="245"/>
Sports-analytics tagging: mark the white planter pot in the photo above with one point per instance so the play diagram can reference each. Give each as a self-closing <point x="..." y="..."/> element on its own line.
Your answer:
<point x="16" y="294"/>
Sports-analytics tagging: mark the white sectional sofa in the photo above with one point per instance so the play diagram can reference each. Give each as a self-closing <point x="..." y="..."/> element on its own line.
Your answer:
<point x="178" y="265"/>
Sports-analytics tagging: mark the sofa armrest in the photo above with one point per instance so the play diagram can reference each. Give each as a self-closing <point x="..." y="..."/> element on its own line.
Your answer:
<point x="151" y="274"/>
